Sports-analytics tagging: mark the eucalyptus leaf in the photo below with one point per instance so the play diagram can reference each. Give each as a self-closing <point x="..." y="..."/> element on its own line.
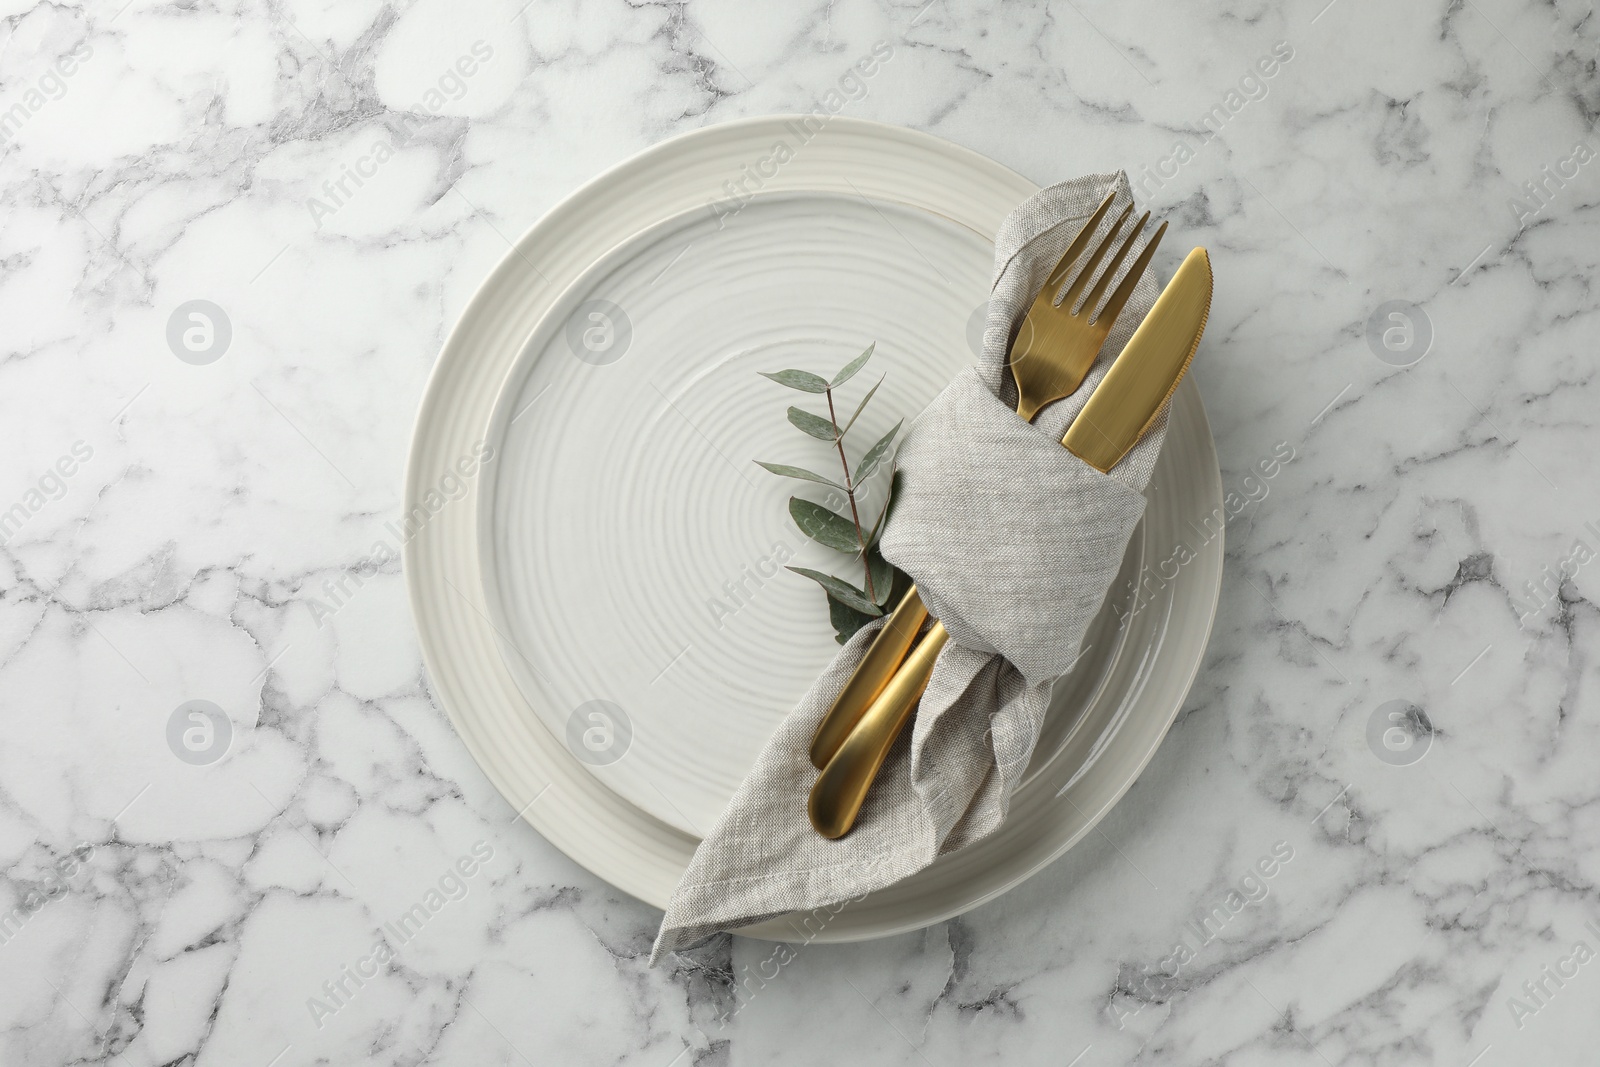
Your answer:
<point x="786" y="471"/>
<point x="882" y="577"/>
<point x="802" y="380"/>
<point x="845" y="619"/>
<point x="875" y="454"/>
<point x="853" y="366"/>
<point x="842" y="591"/>
<point x="815" y="425"/>
<point x="888" y="509"/>
<point x="823" y="526"/>
<point x="902" y="586"/>
<point x="860" y="407"/>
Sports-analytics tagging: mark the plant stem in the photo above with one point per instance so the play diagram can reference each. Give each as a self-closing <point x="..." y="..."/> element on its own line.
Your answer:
<point x="850" y="492"/>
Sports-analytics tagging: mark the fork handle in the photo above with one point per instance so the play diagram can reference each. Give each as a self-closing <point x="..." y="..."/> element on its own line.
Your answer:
<point x="884" y="656"/>
<point x="843" y="784"/>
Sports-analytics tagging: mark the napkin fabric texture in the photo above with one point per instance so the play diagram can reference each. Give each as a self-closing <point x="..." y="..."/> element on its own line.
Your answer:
<point x="1013" y="542"/>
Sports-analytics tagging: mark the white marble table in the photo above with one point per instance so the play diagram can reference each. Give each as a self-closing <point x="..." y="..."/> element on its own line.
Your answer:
<point x="169" y="524"/>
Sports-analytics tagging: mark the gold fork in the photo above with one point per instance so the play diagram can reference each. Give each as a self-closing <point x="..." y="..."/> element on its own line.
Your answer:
<point x="1052" y="354"/>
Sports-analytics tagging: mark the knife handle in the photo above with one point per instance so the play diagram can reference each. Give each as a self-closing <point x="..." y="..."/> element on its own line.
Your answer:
<point x="842" y="786"/>
<point x="884" y="656"/>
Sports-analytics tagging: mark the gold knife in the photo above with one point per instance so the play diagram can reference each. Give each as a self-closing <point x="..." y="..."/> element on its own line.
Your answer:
<point x="1126" y="403"/>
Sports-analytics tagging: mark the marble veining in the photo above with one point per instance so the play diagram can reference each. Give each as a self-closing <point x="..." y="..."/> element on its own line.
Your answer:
<point x="1373" y="835"/>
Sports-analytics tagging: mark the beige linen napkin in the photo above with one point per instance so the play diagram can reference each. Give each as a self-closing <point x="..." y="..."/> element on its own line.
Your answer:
<point x="1013" y="542"/>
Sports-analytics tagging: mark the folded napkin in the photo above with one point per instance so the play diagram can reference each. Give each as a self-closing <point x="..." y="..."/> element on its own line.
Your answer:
<point x="1013" y="542"/>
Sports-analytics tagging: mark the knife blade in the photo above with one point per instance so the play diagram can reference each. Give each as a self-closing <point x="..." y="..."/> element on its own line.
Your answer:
<point x="1129" y="398"/>
<point x="1116" y="417"/>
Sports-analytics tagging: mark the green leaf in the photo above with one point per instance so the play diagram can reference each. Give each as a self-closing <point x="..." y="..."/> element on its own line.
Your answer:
<point x="802" y="380"/>
<point x="888" y="509"/>
<point x="902" y="585"/>
<point x="846" y="619"/>
<point x="823" y="526"/>
<point x="882" y="577"/>
<point x="786" y="471"/>
<point x="853" y="366"/>
<point x="841" y="590"/>
<point x="859" y="408"/>
<point x="815" y="425"/>
<point x="875" y="454"/>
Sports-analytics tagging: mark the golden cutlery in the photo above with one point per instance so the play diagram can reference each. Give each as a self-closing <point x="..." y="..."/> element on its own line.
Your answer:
<point x="884" y="656"/>
<point x="1124" y="406"/>
<point x="1049" y="359"/>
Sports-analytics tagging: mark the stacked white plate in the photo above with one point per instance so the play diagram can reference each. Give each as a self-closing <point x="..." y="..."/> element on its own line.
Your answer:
<point x="605" y="615"/>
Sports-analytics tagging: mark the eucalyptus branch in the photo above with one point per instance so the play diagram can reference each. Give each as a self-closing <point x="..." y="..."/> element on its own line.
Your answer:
<point x="850" y="493"/>
<point x="849" y="607"/>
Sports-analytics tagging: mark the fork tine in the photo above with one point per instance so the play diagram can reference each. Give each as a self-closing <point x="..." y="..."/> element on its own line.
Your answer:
<point x="1093" y="299"/>
<point x="1074" y="250"/>
<point x="1069" y="299"/>
<point x="1113" y="306"/>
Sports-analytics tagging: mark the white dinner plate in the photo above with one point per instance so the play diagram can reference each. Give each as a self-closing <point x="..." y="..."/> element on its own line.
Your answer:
<point x="605" y="617"/>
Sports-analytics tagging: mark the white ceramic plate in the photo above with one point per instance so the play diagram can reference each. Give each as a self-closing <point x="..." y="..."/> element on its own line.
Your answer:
<point x="622" y="505"/>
